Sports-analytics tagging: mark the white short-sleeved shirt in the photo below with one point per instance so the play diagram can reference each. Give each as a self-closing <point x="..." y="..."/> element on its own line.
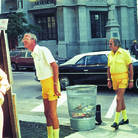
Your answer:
<point x="42" y="59"/>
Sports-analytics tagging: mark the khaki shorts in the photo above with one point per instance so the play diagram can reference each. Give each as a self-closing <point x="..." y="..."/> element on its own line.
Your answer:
<point x="48" y="89"/>
<point x="120" y="80"/>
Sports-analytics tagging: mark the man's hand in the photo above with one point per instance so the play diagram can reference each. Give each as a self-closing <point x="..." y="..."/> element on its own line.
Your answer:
<point x="130" y="84"/>
<point x="1" y="98"/>
<point x="58" y="93"/>
<point x="109" y="84"/>
<point x="56" y="90"/>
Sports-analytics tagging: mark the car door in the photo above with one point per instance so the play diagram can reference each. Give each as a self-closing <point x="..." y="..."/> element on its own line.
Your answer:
<point x="29" y="60"/>
<point x="75" y="72"/>
<point x="21" y="59"/>
<point x="97" y="69"/>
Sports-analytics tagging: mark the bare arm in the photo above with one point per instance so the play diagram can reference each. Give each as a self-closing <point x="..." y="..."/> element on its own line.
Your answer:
<point x="55" y="71"/>
<point x="55" y="75"/>
<point x="109" y="83"/>
<point x="131" y="75"/>
<point x="108" y="73"/>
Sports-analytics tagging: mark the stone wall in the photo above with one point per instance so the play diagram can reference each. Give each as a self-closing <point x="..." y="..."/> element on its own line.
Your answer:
<point x="51" y="45"/>
<point x="74" y="25"/>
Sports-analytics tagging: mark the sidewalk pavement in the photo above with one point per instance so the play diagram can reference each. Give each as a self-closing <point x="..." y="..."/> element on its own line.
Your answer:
<point x="104" y="130"/>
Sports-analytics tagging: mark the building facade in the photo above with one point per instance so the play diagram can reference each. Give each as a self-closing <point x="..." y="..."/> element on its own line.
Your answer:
<point x="71" y="27"/>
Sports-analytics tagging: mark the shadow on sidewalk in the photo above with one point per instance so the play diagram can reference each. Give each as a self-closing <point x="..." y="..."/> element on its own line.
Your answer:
<point x="38" y="130"/>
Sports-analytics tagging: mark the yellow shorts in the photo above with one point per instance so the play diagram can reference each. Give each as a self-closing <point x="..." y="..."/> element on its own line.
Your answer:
<point x="48" y="89"/>
<point x="120" y="80"/>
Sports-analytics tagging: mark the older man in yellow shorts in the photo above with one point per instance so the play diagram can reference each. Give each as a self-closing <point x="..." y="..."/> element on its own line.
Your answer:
<point x="120" y="76"/>
<point x="47" y="73"/>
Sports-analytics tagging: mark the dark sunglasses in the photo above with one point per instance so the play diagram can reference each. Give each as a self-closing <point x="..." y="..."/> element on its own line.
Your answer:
<point x="110" y="43"/>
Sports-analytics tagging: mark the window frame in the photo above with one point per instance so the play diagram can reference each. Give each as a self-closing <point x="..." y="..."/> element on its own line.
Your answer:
<point x="45" y="34"/>
<point x="102" y="29"/>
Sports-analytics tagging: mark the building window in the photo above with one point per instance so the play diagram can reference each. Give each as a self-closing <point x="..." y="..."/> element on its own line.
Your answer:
<point x="48" y="25"/>
<point x="98" y="23"/>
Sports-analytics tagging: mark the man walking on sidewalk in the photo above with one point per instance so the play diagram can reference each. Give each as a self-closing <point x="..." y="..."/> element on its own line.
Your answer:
<point x="120" y="75"/>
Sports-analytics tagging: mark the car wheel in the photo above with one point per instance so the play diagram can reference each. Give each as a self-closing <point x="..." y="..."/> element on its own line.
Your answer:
<point x="136" y="82"/>
<point x="14" y="66"/>
<point x="64" y="82"/>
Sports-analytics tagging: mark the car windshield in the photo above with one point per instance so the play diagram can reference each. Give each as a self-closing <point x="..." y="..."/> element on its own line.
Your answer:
<point x="73" y="60"/>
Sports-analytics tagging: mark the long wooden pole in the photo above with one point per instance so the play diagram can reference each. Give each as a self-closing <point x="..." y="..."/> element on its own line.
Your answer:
<point x="7" y="68"/>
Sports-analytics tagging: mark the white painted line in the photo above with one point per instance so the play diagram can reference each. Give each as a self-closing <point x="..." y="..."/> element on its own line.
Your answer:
<point x="111" y="109"/>
<point x="39" y="108"/>
<point x="61" y="100"/>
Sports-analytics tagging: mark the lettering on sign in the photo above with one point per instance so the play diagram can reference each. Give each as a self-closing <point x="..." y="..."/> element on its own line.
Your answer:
<point x="43" y="2"/>
<point x="97" y="0"/>
<point x="3" y="24"/>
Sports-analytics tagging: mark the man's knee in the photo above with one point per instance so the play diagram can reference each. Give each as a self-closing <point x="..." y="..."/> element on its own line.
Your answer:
<point x="119" y="99"/>
<point x="46" y="113"/>
<point x="53" y="115"/>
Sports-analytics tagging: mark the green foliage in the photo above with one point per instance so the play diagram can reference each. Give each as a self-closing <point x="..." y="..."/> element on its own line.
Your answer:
<point x="18" y="26"/>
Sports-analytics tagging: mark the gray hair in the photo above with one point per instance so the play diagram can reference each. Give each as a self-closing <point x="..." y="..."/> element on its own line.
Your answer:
<point x="116" y="42"/>
<point x="33" y="36"/>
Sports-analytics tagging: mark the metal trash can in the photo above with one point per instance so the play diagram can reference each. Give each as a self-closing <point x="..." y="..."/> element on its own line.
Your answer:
<point x="82" y="106"/>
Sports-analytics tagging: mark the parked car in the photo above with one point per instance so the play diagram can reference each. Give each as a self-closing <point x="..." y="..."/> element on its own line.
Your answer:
<point x="61" y="60"/>
<point x="89" y="68"/>
<point x="21" y="59"/>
